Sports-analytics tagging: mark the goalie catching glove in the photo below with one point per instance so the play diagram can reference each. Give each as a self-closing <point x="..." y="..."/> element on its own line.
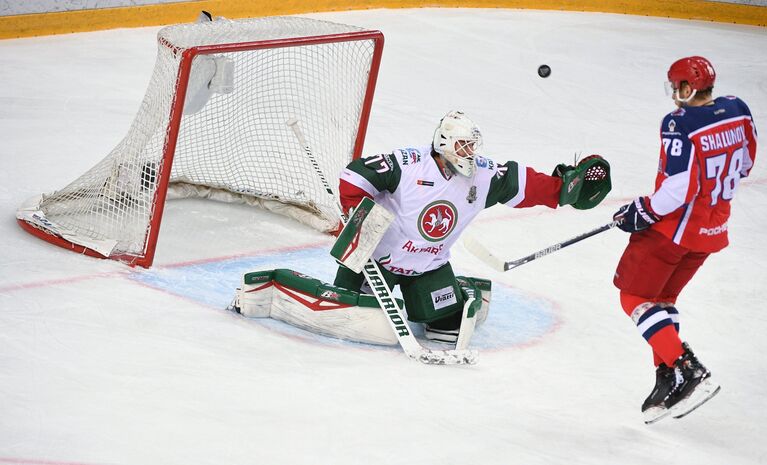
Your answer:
<point x="585" y="184"/>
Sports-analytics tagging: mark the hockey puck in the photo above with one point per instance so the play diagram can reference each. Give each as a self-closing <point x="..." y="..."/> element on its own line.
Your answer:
<point x="544" y="71"/>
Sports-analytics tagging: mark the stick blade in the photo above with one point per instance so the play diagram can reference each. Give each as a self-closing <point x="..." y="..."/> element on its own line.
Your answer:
<point x="479" y="250"/>
<point x="447" y="357"/>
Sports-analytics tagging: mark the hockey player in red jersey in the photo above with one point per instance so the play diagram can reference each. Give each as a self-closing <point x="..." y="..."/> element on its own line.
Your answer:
<point x="707" y="145"/>
<point x="434" y="191"/>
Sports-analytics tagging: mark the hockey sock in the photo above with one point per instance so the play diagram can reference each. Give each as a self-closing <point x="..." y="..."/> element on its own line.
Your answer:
<point x="658" y="325"/>
<point x="667" y="345"/>
<point x="673" y="313"/>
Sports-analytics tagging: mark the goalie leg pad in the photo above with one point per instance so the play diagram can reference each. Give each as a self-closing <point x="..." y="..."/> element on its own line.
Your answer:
<point x="253" y="298"/>
<point x="315" y="306"/>
<point x="481" y="290"/>
<point x="475" y="293"/>
<point x="361" y="235"/>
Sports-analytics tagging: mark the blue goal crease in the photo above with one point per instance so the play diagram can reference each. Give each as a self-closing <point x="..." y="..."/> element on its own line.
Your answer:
<point x="515" y="318"/>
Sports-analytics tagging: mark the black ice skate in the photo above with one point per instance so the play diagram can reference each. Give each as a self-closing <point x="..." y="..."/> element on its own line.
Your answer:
<point x="693" y="385"/>
<point x="443" y="330"/>
<point x="654" y="407"/>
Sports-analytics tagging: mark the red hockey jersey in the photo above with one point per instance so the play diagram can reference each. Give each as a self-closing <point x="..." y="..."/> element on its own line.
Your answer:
<point x="705" y="151"/>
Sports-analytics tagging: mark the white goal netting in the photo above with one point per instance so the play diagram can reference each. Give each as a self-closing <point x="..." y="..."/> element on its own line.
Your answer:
<point x="248" y="79"/>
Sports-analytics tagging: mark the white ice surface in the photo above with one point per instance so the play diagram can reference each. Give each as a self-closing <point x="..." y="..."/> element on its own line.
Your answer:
<point x="103" y="364"/>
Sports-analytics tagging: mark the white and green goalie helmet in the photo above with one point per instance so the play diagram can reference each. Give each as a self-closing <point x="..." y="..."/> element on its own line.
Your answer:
<point x="457" y="139"/>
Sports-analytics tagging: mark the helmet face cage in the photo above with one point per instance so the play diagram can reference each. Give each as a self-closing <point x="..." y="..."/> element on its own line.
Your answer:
<point x="458" y="139"/>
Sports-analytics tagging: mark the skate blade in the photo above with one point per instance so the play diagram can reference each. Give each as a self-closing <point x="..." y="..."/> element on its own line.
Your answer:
<point x="655" y="414"/>
<point x="702" y="394"/>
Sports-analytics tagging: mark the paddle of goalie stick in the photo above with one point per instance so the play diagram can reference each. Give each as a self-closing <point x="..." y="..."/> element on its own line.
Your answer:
<point x="383" y="294"/>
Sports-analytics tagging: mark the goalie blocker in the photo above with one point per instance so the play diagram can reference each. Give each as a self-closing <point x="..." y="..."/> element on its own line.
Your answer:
<point x="322" y="308"/>
<point x="361" y="234"/>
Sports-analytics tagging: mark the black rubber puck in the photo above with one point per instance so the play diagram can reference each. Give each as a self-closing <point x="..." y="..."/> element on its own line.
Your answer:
<point x="544" y="71"/>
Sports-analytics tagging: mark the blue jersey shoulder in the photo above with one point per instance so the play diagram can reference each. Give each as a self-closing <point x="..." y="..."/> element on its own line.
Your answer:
<point x="689" y="119"/>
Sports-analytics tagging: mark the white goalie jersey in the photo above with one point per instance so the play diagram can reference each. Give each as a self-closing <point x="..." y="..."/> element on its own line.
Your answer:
<point x="432" y="206"/>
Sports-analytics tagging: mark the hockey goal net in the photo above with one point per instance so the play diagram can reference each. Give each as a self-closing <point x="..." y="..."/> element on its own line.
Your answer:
<point x="214" y="123"/>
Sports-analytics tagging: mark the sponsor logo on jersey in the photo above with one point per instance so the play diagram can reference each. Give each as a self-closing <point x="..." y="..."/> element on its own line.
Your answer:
<point x="722" y="228"/>
<point x="481" y="162"/>
<point x="402" y="271"/>
<point x="671" y="125"/>
<point x="444" y="297"/>
<point x="410" y="156"/>
<point x="405" y="157"/>
<point x="437" y="220"/>
<point x="421" y="182"/>
<point x="409" y="247"/>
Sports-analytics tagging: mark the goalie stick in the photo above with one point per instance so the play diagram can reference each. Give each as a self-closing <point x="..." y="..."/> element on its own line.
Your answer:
<point x="383" y="294"/>
<point x="480" y="251"/>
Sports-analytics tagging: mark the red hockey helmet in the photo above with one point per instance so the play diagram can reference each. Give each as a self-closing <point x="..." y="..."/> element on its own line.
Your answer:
<point x="697" y="71"/>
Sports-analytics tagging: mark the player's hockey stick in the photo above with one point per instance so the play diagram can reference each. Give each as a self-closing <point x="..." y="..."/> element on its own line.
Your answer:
<point x="479" y="249"/>
<point x="383" y="294"/>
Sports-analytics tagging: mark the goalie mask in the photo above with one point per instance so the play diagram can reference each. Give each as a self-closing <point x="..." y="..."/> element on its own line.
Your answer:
<point x="457" y="139"/>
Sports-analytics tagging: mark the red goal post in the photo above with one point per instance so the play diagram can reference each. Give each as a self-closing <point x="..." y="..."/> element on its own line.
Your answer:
<point x="213" y="123"/>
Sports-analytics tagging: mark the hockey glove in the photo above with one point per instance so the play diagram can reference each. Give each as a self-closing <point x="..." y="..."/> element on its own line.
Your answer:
<point x="361" y="234"/>
<point x="586" y="184"/>
<point x="636" y="216"/>
<point x="561" y="169"/>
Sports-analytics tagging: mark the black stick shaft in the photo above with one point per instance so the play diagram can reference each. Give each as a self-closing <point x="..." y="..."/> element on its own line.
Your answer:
<point x="560" y="245"/>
